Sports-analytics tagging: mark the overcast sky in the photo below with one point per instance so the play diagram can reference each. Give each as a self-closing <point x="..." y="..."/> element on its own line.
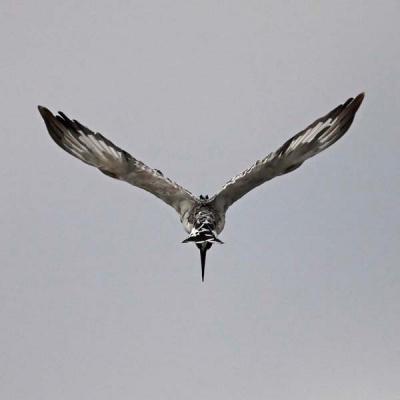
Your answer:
<point x="98" y="297"/>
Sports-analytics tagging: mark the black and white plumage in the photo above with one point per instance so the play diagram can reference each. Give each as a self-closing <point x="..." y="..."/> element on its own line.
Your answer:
<point x="202" y="217"/>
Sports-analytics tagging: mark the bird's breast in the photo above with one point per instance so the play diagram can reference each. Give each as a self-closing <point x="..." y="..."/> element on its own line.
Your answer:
<point x="201" y="215"/>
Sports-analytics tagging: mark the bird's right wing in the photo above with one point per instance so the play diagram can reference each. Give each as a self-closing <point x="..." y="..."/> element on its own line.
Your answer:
<point x="318" y="136"/>
<point x="94" y="149"/>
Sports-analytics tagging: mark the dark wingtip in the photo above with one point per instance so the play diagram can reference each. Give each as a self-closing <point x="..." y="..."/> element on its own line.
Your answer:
<point x="44" y="112"/>
<point x="360" y="97"/>
<point x="358" y="100"/>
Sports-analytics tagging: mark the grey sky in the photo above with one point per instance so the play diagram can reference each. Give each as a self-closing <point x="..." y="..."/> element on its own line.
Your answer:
<point x="100" y="300"/>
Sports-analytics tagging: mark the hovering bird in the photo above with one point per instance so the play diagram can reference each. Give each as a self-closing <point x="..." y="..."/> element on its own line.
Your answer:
<point x="202" y="217"/>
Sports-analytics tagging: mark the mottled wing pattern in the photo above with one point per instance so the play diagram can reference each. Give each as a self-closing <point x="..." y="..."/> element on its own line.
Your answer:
<point x="96" y="150"/>
<point x="321" y="134"/>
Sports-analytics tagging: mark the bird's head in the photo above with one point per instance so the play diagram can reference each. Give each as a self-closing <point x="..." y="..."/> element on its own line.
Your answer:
<point x="204" y="244"/>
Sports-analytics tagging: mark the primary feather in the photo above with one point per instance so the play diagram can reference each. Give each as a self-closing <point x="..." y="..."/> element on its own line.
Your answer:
<point x="96" y="150"/>
<point x="318" y="136"/>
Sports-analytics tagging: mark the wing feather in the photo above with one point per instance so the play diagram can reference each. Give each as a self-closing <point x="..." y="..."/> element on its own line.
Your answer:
<point x="96" y="150"/>
<point x="318" y="136"/>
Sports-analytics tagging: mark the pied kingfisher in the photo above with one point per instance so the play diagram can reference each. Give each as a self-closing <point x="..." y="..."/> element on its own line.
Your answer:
<point x="202" y="217"/>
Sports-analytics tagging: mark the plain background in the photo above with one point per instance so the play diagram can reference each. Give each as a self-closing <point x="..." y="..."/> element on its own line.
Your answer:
<point x="100" y="300"/>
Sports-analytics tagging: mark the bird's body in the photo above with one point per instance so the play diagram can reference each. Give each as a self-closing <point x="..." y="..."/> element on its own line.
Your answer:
<point x="202" y="217"/>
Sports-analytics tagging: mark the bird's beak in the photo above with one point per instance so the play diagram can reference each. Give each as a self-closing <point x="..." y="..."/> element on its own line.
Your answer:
<point x="203" y="247"/>
<point x="203" y="253"/>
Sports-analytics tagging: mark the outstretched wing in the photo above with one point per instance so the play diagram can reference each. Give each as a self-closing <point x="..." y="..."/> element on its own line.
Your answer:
<point x="94" y="149"/>
<point x="315" y="138"/>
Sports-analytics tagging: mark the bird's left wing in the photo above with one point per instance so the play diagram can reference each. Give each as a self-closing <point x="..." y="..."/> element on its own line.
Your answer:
<point x="318" y="136"/>
<point x="94" y="149"/>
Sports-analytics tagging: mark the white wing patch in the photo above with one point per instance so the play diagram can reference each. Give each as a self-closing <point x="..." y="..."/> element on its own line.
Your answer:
<point x="315" y="138"/>
<point x="94" y="149"/>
